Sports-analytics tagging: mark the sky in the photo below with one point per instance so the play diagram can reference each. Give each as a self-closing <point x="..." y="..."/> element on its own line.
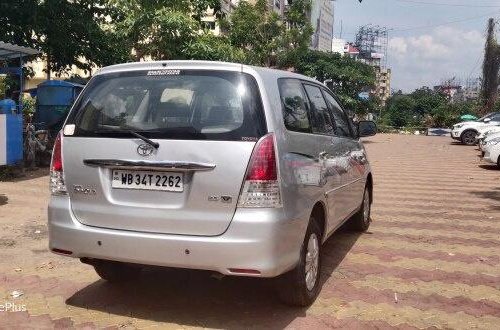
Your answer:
<point x="429" y="41"/>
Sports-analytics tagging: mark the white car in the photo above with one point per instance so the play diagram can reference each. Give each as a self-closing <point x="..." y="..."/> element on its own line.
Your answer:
<point x="467" y="131"/>
<point x="492" y="150"/>
<point x="486" y="134"/>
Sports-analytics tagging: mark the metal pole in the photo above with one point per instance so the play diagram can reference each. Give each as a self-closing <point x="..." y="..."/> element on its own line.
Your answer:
<point x="21" y="83"/>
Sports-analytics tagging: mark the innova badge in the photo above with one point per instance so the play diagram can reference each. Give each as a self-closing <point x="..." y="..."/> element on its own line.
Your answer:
<point x="145" y="150"/>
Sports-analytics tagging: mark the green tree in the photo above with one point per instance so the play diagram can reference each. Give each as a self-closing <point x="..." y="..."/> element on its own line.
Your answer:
<point x="209" y="47"/>
<point x="400" y="111"/>
<point x="425" y="107"/>
<point x="491" y="68"/>
<point x="163" y="29"/>
<point x="18" y="21"/>
<point x="296" y="36"/>
<point x="349" y="77"/>
<point x="256" y="30"/>
<point x="265" y="37"/>
<point x="68" y="32"/>
<point x="426" y="100"/>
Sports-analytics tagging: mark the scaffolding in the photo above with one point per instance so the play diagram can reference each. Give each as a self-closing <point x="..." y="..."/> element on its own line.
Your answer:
<point x="372" y="41"/>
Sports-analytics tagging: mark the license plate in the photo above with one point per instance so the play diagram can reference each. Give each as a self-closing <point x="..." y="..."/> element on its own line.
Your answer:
<point x="148" y="180"/>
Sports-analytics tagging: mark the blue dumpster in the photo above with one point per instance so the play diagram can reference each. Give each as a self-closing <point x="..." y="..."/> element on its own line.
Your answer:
<point x="11" y="139"/>
<point x="53" y="101"/>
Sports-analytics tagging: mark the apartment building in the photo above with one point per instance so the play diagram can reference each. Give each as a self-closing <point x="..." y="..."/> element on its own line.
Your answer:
<point x="383" y="84"/>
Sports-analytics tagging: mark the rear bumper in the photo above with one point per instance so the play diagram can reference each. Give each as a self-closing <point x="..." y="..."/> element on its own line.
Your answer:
<point x="257" y="239"/>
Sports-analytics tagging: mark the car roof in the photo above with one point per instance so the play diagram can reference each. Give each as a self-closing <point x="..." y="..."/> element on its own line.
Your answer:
<point x="202" y="65"/>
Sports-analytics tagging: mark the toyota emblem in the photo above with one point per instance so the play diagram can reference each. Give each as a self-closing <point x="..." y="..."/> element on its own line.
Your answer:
<point x="145" y="150"/>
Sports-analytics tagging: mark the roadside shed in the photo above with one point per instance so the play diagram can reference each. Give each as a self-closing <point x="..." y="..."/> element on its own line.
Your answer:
<point x="11" y="118"/>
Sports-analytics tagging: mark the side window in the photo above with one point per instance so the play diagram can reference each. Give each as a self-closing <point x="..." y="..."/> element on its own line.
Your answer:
<point x="495" y="118"/>
<point x="322" y="121"/>
<point x="341" y="120"/>
<point x="294" y="106"/>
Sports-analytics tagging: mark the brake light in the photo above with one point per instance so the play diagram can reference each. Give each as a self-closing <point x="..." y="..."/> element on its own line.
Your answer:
<point x="263" y="161"/>
<point x="261" y="187"/>
<point x="56" y="164"/>
<point x="57" y="186"/>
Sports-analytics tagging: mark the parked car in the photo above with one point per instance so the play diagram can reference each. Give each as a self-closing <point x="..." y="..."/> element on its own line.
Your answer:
<point x="491" y="150"/>
<point x="240" y="170"/>
<point x="467" y="131"/>
<point x="486" y="133"/>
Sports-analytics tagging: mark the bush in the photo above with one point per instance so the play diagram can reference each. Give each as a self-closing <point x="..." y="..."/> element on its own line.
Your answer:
<point x="425" y="108"/>
<point x="29" y="106"/>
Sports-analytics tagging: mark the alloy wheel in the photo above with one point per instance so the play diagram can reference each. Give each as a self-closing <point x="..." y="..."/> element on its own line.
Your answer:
<point x="469" y="137"/>
<point x="312" y="261"/>
<point x="366" y="207"/>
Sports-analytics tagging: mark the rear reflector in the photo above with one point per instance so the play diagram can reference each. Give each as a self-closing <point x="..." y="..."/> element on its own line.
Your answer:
<point x="60" y="251"/>
<point x="244" y="271"/>
<point x="261" y="187"/>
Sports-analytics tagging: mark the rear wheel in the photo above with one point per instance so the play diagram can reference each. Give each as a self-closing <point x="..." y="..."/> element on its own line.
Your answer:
<point x="113" y="271"/>
<point x="361" y="220"/>
<point x="469" y="137"/>
<point x="300" y="286"/>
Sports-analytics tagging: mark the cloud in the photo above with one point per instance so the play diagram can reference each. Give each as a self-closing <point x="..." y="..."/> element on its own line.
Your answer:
<point x="398" y="46"/>
<point x="428" y="58"/>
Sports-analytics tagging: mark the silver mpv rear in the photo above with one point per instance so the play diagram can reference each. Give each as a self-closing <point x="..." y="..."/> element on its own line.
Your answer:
<point x="206" y="165"/>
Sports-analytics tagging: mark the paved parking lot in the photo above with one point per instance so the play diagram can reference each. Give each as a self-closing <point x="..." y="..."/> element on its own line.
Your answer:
<point x="431" y="259"/>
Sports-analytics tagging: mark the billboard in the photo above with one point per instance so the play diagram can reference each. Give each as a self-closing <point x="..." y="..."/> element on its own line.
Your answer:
<point x="377" y="55"/>
<point x="322" y="20"/>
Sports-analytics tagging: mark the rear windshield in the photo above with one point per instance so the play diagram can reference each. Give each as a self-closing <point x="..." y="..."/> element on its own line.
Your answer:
<point x="171" y="104"/>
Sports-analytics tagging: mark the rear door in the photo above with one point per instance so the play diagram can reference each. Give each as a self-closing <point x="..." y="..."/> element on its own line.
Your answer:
<point x="353" y="157"/>
<point x="206" y="124"/>
<point x="331" y="155"/>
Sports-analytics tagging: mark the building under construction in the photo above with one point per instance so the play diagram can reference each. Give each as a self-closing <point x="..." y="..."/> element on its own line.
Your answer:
<point x="372" y="40"/>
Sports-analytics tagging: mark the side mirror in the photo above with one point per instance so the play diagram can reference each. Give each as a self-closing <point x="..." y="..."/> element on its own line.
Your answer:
<point x="487" y="120"/>
<point x="366" y="128"/>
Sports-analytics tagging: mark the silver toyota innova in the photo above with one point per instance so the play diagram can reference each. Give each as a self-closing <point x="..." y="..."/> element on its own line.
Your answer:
<point x="240" y="170"/>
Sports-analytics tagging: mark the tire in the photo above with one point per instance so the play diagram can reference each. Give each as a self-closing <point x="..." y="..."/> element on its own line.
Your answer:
<point x="362" y="219"/>
<point x="116" y="272"/>
<point x="300" y="286"/>
<point x="468" y="137"/>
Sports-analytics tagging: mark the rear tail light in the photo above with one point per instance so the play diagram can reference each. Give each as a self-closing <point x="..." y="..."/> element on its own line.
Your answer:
<point x="261" y="187"/>
<point x="57" y="186"/>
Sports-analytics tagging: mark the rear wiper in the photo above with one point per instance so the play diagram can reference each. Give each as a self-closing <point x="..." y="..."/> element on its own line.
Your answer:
<point x="154" y="144"/>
